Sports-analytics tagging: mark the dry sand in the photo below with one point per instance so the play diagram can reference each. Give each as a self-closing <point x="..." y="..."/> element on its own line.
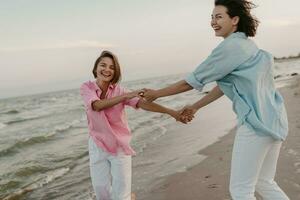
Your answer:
<point x="209" y="179"/>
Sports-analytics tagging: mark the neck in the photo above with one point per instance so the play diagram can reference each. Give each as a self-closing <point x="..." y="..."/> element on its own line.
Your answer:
<point x="102" y="85"/>
<point x="233" y="31"/>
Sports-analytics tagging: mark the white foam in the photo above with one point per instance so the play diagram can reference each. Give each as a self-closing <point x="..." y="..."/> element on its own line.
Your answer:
<point x="49" y="178"/>
<point x="2" y="125"/>
<point x="55" y="174"/>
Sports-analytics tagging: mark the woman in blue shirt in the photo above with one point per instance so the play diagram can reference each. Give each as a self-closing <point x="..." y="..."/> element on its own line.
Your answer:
<point x="243" y="73"/>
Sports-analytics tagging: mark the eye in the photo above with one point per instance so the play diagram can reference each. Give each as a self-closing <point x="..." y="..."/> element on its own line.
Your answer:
<point x="112" y="67"/>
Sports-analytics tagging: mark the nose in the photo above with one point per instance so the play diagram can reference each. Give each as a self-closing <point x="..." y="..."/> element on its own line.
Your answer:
<point x="213" y="21"/>
<point x="106" y="68"/>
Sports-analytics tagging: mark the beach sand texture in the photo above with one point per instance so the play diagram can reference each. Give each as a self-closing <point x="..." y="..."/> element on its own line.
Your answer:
<point x="209" y="180"/>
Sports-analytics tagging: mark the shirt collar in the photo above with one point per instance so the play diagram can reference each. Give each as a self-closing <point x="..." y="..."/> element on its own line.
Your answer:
<point x="237" y="35"/>
<point x="96" y="87"/>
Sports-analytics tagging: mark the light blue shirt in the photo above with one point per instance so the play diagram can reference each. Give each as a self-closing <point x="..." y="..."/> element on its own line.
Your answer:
<point x="245" y="74"/>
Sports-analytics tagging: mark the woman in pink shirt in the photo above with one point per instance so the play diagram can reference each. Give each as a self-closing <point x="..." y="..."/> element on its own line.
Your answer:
<point x="109" y="149"/>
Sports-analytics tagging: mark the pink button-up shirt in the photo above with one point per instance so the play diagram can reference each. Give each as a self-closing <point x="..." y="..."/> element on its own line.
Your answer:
<point x="108" y="127"/>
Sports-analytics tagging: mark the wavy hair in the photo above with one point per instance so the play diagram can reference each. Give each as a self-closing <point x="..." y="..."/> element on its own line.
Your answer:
<point x="241" y="8"/>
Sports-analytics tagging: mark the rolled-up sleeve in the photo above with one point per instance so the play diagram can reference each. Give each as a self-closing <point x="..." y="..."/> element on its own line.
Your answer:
<point x="224" y="59"/>
<point x="130" y="102"/>
<point x="133" y="102"/>
<point x="88" y="95"/>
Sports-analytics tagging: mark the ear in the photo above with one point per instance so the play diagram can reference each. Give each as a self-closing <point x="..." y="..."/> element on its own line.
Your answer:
<point x="235" y="20"/>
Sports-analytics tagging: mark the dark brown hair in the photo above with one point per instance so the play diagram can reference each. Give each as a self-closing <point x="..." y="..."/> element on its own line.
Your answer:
<point x="108" y="54"/>
<point x="241" y="8"/>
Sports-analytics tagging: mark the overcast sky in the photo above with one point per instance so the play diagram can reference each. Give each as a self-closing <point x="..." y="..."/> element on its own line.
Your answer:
<point x="51" y="45"/>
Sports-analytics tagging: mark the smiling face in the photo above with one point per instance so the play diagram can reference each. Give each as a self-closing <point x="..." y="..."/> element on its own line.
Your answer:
<point x="222" y="23"/>
<point x="105" y="70"/>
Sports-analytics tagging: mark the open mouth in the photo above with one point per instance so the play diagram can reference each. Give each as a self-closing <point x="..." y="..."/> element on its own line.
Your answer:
<point x="216" y="28"/>
<point x="105" y="75"/>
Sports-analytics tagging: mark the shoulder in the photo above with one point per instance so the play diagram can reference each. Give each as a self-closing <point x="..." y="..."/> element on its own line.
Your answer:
<point x="88" y="85"/>
<point x="236" y="43"/>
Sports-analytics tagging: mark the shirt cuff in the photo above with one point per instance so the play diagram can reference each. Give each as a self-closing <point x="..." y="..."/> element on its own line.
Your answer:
<point x="192" y="81"/>
<point x="133" y="102"/>
<point x="90" y="101"/>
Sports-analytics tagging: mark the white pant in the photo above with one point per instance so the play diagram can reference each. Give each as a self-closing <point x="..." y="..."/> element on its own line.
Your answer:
<point x="111" y="175"/>
<point x="253" y="166"/>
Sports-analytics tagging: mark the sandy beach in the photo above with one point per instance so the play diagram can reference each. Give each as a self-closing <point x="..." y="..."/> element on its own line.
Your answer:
<point x="209" y="179"/>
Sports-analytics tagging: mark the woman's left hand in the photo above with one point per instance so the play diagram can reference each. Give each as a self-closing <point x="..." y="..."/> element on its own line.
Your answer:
<point x="149" y="94"/>
<point x="187" y="113"/>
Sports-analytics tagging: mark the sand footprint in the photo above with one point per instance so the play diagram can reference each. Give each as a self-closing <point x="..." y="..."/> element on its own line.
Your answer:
<point x="297" y="166"/>
<point x="292" y="152"/>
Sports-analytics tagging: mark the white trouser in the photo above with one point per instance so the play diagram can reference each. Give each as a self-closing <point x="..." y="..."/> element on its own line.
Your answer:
<point x="253" y="166"/>
<point x="111" y="175"/>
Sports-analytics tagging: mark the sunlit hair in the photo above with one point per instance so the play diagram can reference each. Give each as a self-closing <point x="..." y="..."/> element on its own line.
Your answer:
<point x="241" y="8"/>
<point x="108" y="54"/>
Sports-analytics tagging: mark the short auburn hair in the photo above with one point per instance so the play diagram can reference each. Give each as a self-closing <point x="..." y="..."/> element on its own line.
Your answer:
<point x="108" y="54"/>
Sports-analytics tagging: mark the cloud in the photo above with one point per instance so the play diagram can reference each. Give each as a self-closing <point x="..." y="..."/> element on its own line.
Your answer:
<point x="60" y="45"/>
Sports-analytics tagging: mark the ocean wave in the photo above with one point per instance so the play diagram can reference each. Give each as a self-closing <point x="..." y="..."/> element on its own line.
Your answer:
<point x="29" y="170"/>
<point x="39" y="139"/>
<point x="144" y="164"/>
<point x="18" y="120"/>
<point x="13" y="111"/>
<point x="10" y="184"/>
<point x="70" y="125"/>
<point x="24" y="143"/>
<point x="49" y="177"/>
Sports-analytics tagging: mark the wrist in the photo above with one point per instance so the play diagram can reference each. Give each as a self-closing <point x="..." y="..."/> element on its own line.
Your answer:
<point x="126" y="97"/>
<point x="157" y="94"/>
<point x="171" y="112"/>
<point x="195" y="107"/>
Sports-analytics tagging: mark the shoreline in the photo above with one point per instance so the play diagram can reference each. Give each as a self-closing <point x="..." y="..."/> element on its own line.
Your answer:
<point x="209" y="179"/>
<point x="177" y="150"/>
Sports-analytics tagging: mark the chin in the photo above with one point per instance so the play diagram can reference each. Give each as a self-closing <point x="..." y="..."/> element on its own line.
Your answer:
<point x="218" y="35"/>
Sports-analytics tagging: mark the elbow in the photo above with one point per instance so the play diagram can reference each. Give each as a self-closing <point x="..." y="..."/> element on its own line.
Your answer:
<point x="186" y="86"/>
<point x="96" y="107"/>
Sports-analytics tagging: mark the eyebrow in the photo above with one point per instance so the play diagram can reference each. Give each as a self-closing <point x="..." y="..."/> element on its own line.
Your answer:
<point x="216" y="14"/>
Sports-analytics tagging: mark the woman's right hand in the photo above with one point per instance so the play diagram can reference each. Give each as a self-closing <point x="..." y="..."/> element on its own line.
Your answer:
<point x="133" y="94"/>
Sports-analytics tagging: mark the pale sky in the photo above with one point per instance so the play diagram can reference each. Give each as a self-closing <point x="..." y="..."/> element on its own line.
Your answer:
<point x="49" y="45"/>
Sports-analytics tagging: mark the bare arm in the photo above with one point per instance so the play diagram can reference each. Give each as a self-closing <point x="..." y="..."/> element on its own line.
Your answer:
<point x="176" y="88"/>
<point x="188" y="112"/>
<point x="213" y="95"/>
<point x="101" y="104"/>
<point x="154" y="107"/>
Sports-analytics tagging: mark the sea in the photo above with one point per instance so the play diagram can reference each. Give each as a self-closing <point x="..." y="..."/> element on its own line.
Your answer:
<point x="44" y="149"/>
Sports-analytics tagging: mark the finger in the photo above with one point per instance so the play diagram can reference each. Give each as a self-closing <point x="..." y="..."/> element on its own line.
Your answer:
<point x="141" y="93"/>
<point x="184" y="111"/>
<point x="187" y="111"/>
<point x="148" y="99"/>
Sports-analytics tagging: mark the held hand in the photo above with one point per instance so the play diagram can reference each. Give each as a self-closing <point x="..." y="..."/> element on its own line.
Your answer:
<point x="177" y="116"/>
<point x="149" y="94"/>
<point x="187" y="113"/>
<point x="133" y="94"/>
